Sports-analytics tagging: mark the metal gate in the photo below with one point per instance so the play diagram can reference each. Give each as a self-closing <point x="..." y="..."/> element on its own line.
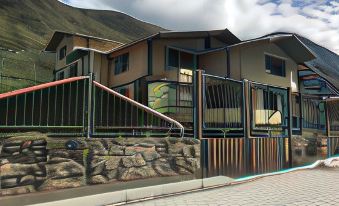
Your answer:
<point x="244" y="127"/>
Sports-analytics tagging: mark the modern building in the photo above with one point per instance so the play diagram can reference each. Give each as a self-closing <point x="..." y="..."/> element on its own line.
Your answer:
<point x="157" y="70"/>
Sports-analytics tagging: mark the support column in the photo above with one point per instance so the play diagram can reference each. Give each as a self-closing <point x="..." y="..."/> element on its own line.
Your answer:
<point x="198" y="104"/>
<point x="89" y="106"/>
<point x="290" y="126"/>
<point x="246" y="124"/>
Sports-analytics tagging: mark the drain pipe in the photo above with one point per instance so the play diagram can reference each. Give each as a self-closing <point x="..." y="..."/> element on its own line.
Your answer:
<point x="228" y="63"/>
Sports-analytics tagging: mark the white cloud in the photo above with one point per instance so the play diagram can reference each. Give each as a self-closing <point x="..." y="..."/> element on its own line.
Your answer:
<point x="316" y="20"/>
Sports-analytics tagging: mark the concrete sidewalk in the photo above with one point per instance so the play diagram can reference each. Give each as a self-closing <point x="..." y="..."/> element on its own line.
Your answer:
<point x="318" y="186"/>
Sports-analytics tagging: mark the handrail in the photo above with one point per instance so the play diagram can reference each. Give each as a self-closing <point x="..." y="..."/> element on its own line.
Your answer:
<point x="141" y="106"/>
<point x="40" y="86"/>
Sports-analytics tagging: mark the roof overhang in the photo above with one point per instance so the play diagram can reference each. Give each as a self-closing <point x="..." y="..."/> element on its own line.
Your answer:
<point x="58" y="36"/>
<point x="289" y="43"/>
<point x="55" y="41"/>
<point x="292" y="46"/>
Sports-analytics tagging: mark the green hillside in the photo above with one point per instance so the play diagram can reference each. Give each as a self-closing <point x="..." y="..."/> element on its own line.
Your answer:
<point x="27" y="25"/>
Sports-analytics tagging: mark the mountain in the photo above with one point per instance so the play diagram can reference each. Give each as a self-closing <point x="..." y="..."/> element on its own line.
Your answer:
<point x="27" y="25"/>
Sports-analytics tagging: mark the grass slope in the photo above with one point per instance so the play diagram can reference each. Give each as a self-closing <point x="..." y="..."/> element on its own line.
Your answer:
<point x="27" y="25"/>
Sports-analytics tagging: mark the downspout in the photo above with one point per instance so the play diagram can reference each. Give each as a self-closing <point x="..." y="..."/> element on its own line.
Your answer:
<point x="228" y="63"/>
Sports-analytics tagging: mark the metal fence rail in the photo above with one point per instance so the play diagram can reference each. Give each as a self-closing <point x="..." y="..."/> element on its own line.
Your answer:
<point x="270" y="110"/>
<point x="222" y="106"/>
<point x="79" y="106"/>
<point x="117" y="115"/>
<point x="332" y="116"/>
<point x="313" y="112"/>
<point x="56" y="106"/>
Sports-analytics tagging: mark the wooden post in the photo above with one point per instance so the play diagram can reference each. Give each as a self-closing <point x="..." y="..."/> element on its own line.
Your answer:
<point x="246" y="124"/>
<point x="198" y="104"/>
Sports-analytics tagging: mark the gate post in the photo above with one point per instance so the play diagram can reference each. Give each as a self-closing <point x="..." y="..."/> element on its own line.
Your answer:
<point x="290" y="126"/>
<point x="246" y="124"/>
<point x="328" y="128"/>
<point x="198" y="104"/>
<point x="89" y="106"/>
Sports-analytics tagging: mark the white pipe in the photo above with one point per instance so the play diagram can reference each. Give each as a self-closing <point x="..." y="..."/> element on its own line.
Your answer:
<point x="158" y="114"/>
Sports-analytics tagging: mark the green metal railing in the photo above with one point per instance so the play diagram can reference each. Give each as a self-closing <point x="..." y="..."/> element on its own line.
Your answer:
<point x="79" y="106"/>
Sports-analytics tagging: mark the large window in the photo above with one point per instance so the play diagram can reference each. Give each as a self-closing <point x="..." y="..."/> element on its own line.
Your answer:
<point x="62" y="52"/>
<point x="121" y="63"/>
<point x="179" y="59"/>
<point x="275" y="66"/>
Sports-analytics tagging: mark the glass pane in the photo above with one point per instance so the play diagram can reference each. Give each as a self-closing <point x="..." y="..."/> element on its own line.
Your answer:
<point x="186" y="60"/>
<point x="173" y="58"/>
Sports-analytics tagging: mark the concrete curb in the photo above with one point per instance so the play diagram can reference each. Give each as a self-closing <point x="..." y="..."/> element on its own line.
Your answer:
<point x="165" y="190"/>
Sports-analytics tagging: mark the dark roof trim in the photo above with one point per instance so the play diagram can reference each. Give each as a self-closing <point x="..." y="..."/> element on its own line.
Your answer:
<point x="219" y="34"/>
<point x="59" y="35"/>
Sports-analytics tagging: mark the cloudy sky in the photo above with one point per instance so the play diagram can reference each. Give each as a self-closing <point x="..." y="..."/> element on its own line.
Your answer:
<point x="315" y="19"/>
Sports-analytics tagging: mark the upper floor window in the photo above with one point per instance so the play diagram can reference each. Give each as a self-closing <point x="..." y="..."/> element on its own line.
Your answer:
<point x="275" y="66"/>
<point x="179" y="59"/>
<point x="121" y="63"/>
<point x="61" y="75"/>
<point x="73" y="70"/>
<point x="62" y="52"/>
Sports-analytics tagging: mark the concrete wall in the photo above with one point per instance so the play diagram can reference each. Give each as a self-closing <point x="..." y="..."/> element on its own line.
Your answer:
<point x="138" y="66"/>
<point x="248" y="61"/>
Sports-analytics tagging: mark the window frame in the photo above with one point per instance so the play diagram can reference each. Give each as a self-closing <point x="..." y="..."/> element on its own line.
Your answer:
<point x="268" y="69"/>
<point x="118" y="62"/>
<point x="64" y="50"/>
<point x="168" y="67"/>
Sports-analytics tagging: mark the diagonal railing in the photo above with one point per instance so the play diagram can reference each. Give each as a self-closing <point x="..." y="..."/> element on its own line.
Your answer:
<point x="116" y="114"/>
<point x="79" y="106"/>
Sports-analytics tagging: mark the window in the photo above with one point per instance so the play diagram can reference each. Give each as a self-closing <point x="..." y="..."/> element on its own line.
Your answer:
<point x="275" y="66"/>
<point x="73" y="70"/>
<point x="121" y="63"/>
<point x="176" y="59"/>
<point x="173" y="58"/>
<point x="62" y="52"/>
<point x="61" y="75"/>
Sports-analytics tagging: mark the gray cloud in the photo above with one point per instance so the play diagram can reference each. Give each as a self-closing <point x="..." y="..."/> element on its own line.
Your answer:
<point x="317" y="20"/>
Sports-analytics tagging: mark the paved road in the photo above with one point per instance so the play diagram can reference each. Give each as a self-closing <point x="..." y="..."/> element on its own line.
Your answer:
<point x="308" y="187"/>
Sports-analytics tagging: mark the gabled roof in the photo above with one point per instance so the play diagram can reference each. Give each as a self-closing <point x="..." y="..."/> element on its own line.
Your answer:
<point x="289" y="43"/>
<point x="223" y="35"/>
<point x="325" y="63"/>
<point x="59" y="35"/>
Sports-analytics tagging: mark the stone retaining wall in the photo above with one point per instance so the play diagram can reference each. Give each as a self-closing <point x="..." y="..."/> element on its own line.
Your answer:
<point x="34" y="162"/>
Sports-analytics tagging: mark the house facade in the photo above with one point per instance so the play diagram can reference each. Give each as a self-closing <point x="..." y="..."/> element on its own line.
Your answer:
<point x="157" y="70"/>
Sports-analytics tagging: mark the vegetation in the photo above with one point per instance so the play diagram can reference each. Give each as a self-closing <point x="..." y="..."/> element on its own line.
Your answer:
<point x="26" y="26"/>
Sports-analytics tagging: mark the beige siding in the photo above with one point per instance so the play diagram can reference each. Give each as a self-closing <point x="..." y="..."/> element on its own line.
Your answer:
<point x="250" y="61"/>
<point x="97" y="66"/>
<point x="137" y="65"/>
<point x="214" y="63"/>
<point x="68" y="42"/>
